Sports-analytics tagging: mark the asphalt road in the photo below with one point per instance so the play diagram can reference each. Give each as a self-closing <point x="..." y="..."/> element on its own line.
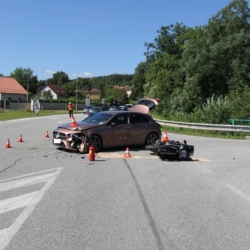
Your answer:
<point x="52" y="199"/>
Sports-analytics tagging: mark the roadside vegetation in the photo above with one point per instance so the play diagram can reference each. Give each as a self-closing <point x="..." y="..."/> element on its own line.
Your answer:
<point x="19" y="114"/>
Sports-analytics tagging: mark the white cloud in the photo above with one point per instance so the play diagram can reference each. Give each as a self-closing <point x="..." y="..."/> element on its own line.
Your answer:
<point x="49" y="72"/>
<point x="85" y="74"/>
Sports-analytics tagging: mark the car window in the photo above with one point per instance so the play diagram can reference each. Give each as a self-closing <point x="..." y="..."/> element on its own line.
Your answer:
<point x="98" y="118"/>
<point x="145" y="119"/>
<point x="136" y="118"/>
<point x="120" y="119"/>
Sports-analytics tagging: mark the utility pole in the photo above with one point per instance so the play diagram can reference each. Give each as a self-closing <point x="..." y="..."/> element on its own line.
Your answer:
<point x="76" y="92"/>
<point x="28" y="86"/>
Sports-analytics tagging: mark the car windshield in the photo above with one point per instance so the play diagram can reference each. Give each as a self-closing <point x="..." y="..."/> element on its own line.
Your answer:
<point x="98" y="118"/>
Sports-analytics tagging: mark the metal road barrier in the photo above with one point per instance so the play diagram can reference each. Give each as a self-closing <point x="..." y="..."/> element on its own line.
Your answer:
<point x="203" y="126"/>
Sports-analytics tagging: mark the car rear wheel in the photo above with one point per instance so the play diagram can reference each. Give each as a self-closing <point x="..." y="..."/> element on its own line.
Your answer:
<point x="151" y="139"/>
<point x="96" y="141"/>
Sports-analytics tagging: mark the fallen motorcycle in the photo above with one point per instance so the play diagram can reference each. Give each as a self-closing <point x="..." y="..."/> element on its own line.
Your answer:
<point x="172" y="150"/>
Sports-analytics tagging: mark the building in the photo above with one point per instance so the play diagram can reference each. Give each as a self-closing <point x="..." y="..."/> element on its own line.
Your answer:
<point x="11" y="91"/>
<point x="93" y="94"/>
<point x="127" y="88"/>
<point x="56" y="91"/>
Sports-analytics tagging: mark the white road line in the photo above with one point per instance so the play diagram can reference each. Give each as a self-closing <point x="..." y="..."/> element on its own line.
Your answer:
<point x="11" y="231"/>
<point x="26" y="175"/>
<point x="16" y="202"/>
<point x="24" y="182"/>
<point x="2" y="232"/>
<point x="238" y="192"/>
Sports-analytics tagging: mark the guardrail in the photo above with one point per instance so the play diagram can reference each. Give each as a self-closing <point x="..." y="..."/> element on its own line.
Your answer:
<point x="203" y="126"/>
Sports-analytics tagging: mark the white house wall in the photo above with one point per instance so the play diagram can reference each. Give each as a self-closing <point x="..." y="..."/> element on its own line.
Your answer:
<point x="51" y="91"/>
<point x="13" y="97"/>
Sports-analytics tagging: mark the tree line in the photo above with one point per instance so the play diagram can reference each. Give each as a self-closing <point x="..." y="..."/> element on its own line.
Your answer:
<point x="200" y="74"/>
<point x="30" y="82"/>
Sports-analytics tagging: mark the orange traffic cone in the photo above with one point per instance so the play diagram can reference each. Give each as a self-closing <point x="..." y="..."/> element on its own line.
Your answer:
<point x="73" y="123"/>
<point x="8" y="144"/>
<point x="165" y="137"/>
<point x="20" y="138"/>
<point x="127" y="154"/>
<point x="47" y="134"/>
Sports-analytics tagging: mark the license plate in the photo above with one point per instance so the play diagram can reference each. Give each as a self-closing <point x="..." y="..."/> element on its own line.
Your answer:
<point x="57" y="141"/>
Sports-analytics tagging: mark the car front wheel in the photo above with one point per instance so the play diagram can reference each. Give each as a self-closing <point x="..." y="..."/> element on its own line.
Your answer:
<point x="95" y="141"/>
<point x="151" y="139"/>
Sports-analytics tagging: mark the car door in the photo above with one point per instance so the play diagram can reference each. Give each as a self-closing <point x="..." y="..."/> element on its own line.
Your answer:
<point x="138" y="128"/>
<point x="116" y="131"/>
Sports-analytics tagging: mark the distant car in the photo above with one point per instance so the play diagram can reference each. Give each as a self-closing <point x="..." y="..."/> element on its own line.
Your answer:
<point x="122" y="108"/>
<point x="128" y="106"/>
<point x="113" y="108"/>
<point x="109" y="129"/>
<point x="86" y="109"/>
<point x="94" y="110"/>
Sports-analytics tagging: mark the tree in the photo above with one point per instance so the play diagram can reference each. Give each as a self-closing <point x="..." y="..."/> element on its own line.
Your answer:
<point x="169" y="41"/>
<point x="164" y="74"/>
<point x="219" y="60"/>
<point x="139" y="80"/>
<point x="59" y="78"/>
<point x="47" y="95"/>
<point x="25" y="77"/>
<point x="119" y="95"/>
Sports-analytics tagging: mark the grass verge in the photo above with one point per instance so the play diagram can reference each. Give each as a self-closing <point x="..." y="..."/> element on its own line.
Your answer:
<point x="18" y="114"/>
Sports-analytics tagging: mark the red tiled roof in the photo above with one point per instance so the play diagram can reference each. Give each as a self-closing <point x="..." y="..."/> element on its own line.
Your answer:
<point x="9" y="85"/>
<point x="57" y="89"/>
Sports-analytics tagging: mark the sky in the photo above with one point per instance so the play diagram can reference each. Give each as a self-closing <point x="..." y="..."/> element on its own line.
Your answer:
<point x="89" y="38"/>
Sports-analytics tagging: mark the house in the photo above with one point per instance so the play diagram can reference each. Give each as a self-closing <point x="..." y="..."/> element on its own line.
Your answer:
<point x="93" y="93"/>
<point x="127" y="88"/>
<point x="11" y="90"/>
<point x="56" y="91"/>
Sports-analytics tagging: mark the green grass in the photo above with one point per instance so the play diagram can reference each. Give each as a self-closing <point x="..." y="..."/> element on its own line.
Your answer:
<point x="205" y="133"/>
<point x="18" y="114"/>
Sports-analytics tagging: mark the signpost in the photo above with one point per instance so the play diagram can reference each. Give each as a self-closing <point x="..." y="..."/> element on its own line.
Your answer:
<point x="37" y="106"/>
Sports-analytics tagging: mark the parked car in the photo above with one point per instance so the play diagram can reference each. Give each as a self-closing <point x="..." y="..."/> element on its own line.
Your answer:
<point x="86" y="109"/>
<point x="122" y="108"/>
<point x="128" y="106"/>
<point x="111" y="129"/>
<point x="113" y="108"/>
<point x="94" y="110"/>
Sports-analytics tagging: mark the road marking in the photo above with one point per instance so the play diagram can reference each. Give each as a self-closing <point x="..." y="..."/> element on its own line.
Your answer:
<point x="16" y="202"/>
<point x="200" y="159"/>
<point x="238" y="192"/>
<point x="117" y="155"/>
<point x="24" y="182"/>
<point x="29" y="200"/>
<point x="26" y="175"/>
<point x="2" y="232"/>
